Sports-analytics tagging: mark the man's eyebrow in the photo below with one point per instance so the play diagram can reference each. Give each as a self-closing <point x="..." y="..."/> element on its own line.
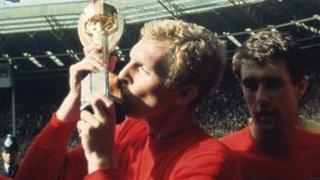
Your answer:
<point x="272" y="78"/>
<point x="269" y="77"/>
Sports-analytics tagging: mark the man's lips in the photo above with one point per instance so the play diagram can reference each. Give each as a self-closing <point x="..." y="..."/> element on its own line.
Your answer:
<point x="267" y="117"/>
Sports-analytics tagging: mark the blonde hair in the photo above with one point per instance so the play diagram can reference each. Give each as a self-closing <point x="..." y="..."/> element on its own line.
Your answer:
<point x="197" y="56"/>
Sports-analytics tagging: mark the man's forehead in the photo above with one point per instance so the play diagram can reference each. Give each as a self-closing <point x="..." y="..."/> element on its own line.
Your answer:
<point x="152" y="43"/>
<point x="262" y="71"/>
<point x="146" y="48"/>
<point x="262" y="78"/>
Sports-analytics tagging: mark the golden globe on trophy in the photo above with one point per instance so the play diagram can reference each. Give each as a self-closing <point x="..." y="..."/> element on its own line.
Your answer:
<point x="100" y="23"/>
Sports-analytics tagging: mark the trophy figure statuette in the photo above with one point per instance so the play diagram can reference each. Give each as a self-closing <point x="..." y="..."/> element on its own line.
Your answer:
<point x="100" y="23"/>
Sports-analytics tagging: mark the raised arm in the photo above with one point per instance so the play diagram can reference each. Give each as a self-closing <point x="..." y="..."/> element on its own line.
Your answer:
<point x="47" y="156"/>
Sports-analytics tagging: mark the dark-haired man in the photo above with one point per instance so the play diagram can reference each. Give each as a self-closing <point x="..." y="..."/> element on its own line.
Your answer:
<point x="269" y="67"/>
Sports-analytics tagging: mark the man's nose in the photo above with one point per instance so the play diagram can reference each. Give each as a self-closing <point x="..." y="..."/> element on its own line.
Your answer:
<point x="125" y="75"/>
<point x="262" y="95"/>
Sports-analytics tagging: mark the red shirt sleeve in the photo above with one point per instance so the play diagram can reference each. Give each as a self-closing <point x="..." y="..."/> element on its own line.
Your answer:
<point x="5" y="178"/>
<point x="46" y="156"/>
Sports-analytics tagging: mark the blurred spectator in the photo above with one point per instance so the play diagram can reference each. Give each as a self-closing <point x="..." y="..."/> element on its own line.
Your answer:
<point x="9" y="153"/>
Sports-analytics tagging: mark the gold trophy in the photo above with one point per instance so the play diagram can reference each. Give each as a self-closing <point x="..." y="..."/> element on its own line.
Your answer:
<point x="100" y="23"/>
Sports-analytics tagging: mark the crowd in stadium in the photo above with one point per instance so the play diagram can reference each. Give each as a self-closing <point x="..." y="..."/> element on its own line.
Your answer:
<point x="310" y="106"/>
<point x="225" y="110"/>
<point x="223" y="113"/>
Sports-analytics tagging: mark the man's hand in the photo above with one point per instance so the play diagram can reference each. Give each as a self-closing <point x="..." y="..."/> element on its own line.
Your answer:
<point x="93" y="61"/>
<point x="97" y="133"/>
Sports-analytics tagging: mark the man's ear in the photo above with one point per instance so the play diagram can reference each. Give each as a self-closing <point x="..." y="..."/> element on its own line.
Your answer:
<point x="186" y="95"/>
<point x="302" y="86"/>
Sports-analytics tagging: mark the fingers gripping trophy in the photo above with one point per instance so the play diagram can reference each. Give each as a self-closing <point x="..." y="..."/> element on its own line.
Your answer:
<point x="100" y="23"/>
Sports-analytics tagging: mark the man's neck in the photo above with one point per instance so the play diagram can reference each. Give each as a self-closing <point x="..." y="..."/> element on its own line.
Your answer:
<point x="274" y="143"/>
<point x="171" y="123"/>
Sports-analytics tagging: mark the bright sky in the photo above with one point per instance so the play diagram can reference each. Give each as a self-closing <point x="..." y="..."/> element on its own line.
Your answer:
<point x="7" y="3"/>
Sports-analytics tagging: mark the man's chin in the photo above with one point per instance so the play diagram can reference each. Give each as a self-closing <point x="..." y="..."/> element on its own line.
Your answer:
<point x="267" y="123"/>
<point x="267" y="127"/>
